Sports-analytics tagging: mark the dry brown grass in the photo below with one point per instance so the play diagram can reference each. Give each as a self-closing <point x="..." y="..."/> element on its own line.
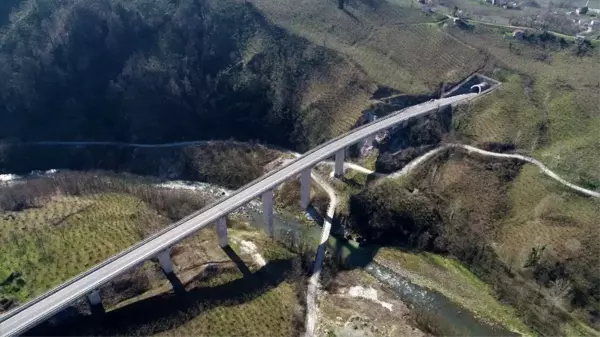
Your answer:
<point x="545" y="215"/>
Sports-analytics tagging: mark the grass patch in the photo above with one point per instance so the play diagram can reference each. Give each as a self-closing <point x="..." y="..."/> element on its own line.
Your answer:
<point x="268" y="315"/>
<point x="547" y="105"/>
<point x="66" y="236"/>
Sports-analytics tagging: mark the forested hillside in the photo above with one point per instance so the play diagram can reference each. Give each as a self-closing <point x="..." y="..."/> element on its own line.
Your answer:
<point x="159" y="71"/>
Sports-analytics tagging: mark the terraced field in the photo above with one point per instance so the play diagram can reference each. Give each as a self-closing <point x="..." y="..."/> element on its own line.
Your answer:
<point x="66" y="236"/>
<point x="397" y="46"/>
<point x="548" y="108"/>
<point x="258" y="292"/>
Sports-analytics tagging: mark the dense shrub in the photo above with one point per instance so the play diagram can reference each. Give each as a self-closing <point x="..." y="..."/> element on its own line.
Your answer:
<point x="389" y="212"/>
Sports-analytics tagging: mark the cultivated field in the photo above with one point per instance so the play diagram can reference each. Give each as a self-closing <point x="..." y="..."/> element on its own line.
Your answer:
<point x="65" y="236"/>
<point x="397" y="47"/>
<point x="254" y="288"/>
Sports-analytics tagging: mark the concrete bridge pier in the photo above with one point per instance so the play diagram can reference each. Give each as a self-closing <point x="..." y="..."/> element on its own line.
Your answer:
<point x="164" y="258"/>
<point x="305" y="181"/>
<point x="267" y="200"/>
<point x="222" y="232"/>
<point x="94" y="298"/>
<point x="95" y="302"/>
<point x="339" y="163"/>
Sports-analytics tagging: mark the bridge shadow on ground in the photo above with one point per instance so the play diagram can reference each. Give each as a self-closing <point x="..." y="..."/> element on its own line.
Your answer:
<point x="167" y="311"/>
<point x="238" y="261"/>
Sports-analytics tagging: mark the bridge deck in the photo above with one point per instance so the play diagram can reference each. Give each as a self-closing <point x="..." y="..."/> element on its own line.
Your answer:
<point x="28" y="315"/>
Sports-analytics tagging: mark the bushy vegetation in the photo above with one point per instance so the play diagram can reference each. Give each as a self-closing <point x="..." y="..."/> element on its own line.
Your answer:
<point x="558" y="22"/>
<point x="417" y="137"/>
<point x="389" y="212"/>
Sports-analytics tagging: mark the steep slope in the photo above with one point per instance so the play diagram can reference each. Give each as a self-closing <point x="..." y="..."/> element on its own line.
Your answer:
<point x="400" y="47"/>
<point x="548" y="106"/>
<point x="166" y="71"/>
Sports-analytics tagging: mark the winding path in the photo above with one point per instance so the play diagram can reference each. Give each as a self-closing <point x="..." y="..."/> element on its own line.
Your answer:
<point x="313" y="282"/>
<point x="473" y="150"/>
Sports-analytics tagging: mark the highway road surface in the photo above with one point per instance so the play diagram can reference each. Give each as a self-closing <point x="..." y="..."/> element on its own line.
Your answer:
<point x="30" y="314"/>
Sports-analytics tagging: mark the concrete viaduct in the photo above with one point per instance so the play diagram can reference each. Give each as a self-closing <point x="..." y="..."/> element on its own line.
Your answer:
<point x="158" y="246"/>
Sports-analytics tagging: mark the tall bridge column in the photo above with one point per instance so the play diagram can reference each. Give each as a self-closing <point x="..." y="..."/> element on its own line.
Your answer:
<point x="164" y="258"/>
<point x="222" y="232"/>
<point x="267" y="200"/>
<point x="305" y="181"/>
<point x="339" y="163"/>
<point x="95" y="302"/>
<point x="94" y="298"/>
<point x="370" y="140"/>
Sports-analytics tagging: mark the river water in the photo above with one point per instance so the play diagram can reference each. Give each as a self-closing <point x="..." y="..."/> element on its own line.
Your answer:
<point x="450" y="317"/>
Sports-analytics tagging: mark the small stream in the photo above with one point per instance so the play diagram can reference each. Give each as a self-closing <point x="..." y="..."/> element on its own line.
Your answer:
<point x="450" y="317"/>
